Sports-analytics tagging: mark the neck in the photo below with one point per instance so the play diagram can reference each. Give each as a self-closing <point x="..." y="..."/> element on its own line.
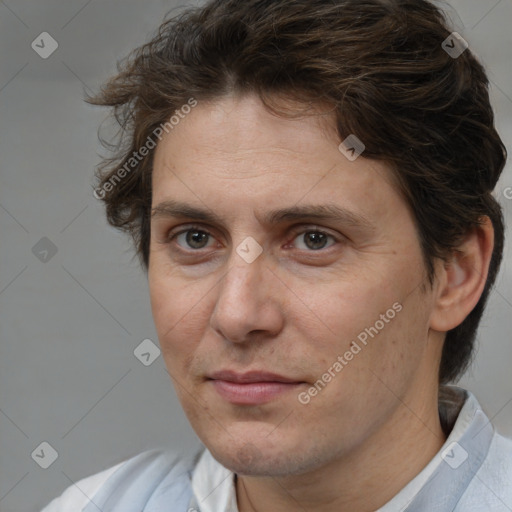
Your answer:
<point x="364" y="479"/>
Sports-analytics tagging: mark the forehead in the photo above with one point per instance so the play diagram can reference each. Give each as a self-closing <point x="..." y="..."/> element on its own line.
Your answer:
<point x="241" y="128"/>
<point x="235" y="148"/>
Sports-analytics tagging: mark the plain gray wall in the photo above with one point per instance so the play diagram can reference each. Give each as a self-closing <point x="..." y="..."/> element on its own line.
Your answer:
<point x="69" y="326"/>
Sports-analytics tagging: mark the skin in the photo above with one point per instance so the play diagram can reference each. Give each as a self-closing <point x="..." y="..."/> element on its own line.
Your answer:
<point x="297" y="307"/>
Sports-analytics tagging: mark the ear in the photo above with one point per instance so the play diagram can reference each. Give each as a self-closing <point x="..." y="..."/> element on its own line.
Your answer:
<point x="461" y="280"/>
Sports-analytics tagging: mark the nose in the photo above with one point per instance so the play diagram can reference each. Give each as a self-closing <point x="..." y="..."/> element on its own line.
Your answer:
<point x="248" y="304"/>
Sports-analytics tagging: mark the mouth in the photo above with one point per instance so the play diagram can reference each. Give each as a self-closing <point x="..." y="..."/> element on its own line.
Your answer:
<point x="251" y="388"/>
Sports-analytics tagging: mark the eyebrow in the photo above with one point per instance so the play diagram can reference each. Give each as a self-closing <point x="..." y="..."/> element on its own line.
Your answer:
<point x="323" y="212"/>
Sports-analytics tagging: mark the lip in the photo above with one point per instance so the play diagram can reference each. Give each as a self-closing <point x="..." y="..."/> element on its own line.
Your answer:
<point x="250" y="377"/>
<point x="251" y="388"/>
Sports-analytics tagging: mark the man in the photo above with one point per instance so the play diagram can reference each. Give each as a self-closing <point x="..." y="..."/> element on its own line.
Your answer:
<point x="309" y="187"/>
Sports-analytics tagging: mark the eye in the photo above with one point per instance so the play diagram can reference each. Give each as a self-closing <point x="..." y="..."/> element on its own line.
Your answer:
<point x="192" y="238"/>
<point x="313" y="240"/>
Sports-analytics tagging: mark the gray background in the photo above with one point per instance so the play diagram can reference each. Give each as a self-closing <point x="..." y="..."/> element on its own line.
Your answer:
<point x="69" y="326"/>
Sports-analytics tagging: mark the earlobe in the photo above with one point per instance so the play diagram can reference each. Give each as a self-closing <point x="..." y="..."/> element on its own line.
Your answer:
<point x="462" y="278"/>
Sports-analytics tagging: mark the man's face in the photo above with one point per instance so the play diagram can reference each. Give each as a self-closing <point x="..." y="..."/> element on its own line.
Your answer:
<point x="343" y="290"/>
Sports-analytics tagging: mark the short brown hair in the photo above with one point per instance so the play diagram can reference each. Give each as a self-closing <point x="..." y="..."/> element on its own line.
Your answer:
<point x="382" y="67"/>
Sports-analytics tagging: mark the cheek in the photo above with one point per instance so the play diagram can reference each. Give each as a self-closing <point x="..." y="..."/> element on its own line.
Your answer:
<point x="348" y="309"/>
<point x="377" y="328"/>
<point x="179" y="316"/>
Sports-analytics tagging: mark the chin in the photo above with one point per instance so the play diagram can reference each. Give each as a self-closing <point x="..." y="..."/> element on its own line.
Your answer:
<point x="250" y="458"/>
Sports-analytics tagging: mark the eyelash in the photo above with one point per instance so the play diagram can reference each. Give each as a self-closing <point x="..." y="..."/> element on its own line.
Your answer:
<point x="295" y="232"/>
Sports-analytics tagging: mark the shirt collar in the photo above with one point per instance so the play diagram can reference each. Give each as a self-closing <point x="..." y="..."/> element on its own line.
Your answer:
<point x="438" y="486"/>
<point x="213" y="486"/>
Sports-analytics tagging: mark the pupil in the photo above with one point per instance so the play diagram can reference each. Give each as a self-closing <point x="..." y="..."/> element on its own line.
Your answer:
<point x="318" y="240"/>
<point x="194" y="238"/>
